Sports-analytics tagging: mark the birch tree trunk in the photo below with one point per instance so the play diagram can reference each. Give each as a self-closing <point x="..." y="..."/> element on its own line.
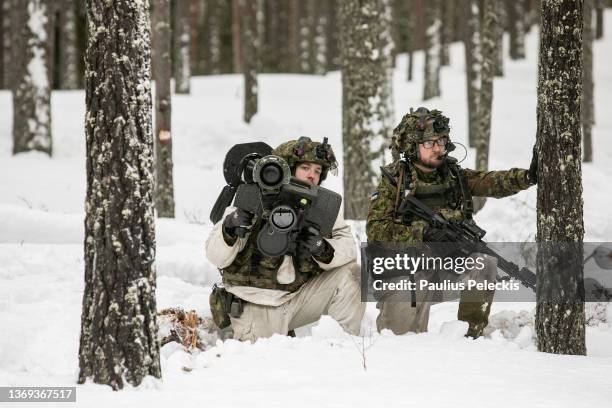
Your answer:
<point x="32" y="90"/>
<point x="366" y="94"/>
<point x="433" y="29"/>
<point x="182" y="57"/>
<point x="560" y="288"/>
<point x="118" y="324"/>
<point x="162" y="73"/>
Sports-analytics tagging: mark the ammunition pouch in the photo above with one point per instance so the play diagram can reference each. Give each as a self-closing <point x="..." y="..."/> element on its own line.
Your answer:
<point x="224" y="304"/>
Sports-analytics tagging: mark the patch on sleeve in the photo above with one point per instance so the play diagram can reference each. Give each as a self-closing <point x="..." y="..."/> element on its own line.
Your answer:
<point x="374" y="196"/>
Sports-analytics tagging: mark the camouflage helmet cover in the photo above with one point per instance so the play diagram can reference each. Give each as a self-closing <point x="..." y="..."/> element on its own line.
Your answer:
<point x="418" y="126"/>
<point x="305" y="150"/>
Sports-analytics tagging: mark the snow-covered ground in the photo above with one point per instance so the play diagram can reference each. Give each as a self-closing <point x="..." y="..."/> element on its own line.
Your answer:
<point x="41" y="260"/>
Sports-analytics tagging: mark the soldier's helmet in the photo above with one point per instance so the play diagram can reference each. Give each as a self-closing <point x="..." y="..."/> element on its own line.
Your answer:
<point x="416" y="127"/>
<point x="305" y="150"/>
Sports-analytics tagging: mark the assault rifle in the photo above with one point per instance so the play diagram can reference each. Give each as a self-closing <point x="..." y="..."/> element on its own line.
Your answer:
<point x="466" y="237"/>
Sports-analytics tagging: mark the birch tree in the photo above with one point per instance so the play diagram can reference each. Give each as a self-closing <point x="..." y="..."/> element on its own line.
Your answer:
<point x="32" y="90"/>
<point x="560" y="287"/>
<point x="252" y="14"/>
<point x="118" y="325"/>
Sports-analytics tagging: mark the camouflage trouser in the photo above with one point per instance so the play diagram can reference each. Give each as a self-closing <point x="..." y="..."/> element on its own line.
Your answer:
<point x="335" y="293"/>
<point x="398" y="314"/>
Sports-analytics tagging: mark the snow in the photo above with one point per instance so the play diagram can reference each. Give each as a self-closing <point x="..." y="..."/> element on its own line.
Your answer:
<point x="41" y="260"/>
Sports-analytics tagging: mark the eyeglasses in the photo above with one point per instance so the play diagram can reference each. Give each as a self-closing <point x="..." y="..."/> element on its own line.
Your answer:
<point x="428" y="144"/>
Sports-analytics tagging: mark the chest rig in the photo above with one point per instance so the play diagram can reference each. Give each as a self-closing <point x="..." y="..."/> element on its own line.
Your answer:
<point x="445" y="191"/>
<point x="252" y="268"/>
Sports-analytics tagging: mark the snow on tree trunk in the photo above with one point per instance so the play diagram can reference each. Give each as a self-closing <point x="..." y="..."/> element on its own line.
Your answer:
<point x="305" y="37"/>
<point x="182" y="57"/>
<point x="68" y="59"/>
<point x="366" y="97"/>
<point x="560" y="315"/>
<point x="252" y="15"/>
<point x="599" y="18"/>
<point x="516" y="26"/>
<point x="162" y="69"/>
<point x="118" y="325"/>
<point x="32" y="91"/>
<point x="489" y="24"/>
<point x="587" y="109"/>
<point x="433" y="29"/>
<point x="472" y="62"/>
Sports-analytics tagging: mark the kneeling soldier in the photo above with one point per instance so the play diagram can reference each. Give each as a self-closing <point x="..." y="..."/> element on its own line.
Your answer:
<point x="425" y="171"/>
<point x="278" y="294"/>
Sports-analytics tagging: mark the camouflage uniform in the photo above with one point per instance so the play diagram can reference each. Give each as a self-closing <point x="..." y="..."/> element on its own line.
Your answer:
<point x="285" y="292"/>
<point x="441" y="190"/>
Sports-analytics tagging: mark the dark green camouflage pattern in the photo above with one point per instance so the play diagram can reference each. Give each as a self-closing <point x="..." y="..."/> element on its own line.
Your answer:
<point x="440" y="190"/>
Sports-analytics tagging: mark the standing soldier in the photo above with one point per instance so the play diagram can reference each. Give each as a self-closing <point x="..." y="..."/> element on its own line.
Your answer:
<point x="268" y="295"/>
<point x="422" y="142"/>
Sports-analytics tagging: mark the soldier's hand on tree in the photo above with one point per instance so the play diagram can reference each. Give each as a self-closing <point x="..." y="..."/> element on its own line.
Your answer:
<point x="238" y="222"/>
<point x="310" y="239"/>
<point x="532" y="173"/>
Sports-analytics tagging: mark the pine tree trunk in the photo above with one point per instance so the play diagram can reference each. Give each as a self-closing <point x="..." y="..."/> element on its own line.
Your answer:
<point x="213" y="28"/>
<point x="433" y="29"/>
<point x="3" y="33"/>
<point x="560" y="287"/>
<point x="516" y="19"/>
<point x="366" y="94"/>
<point x="499" y="41"/>
<point x="333" y="36"/>
<point x="487" y="37"/>
<point x="68" y="58"/>
<point x="236" y="34"/>
<point x="587" y="109"/>
<point x="162" y="70"/>
<point x="472" y="63"/>
<point x="32" y="91"/>
<point x="182" y="57"/>
<point x="599" y="20"/>
<point x="410" y="38"/>
<point x="446" y="10"/>
<point x="201" y="53"/>
<point x="305" y="38"/>
<point x="251" y="10"/>
<point x="293" y="37"/>
<point x="319" y="32"/>
<point x="118" y="324"/>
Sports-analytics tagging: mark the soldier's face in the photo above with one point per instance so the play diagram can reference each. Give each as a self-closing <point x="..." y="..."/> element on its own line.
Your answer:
<point x="430" y="157"/>
<point x="309" y="172"/>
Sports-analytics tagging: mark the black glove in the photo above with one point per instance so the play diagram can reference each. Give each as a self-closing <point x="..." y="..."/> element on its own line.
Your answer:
<point x="532" y="173"/>
<point x="310" y="239"/>
<point x="237" y="219"/>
